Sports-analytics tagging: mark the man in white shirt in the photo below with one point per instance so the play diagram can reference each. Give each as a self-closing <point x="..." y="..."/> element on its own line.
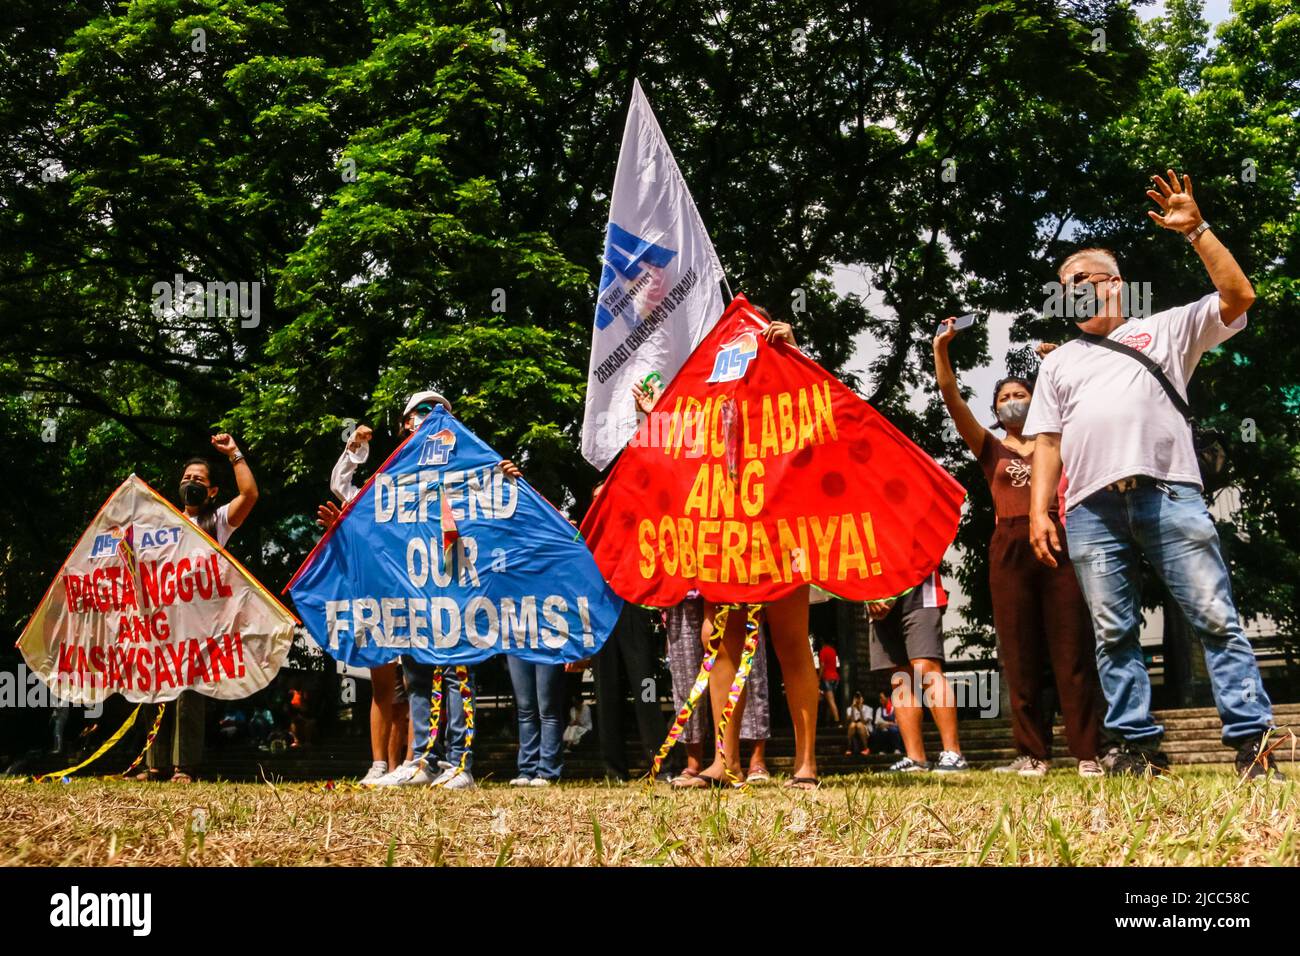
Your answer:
<point x="1135" y="487"/>
<point x="177" y="750"/>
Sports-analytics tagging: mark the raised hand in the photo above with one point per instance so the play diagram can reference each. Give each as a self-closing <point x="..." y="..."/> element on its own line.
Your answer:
<point x="327" y="514"/>
<point x="646" y="395"/>
<point x="224" y="444"/>
<point x="360" y="436"/>
<point x="779" y="332"/>
<point x="948" y="333"/>
<point x="510" y="469"/>
<point x="1178" y="210"/>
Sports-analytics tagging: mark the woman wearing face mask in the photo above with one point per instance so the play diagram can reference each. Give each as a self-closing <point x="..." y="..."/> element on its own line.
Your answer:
<point x="1038" y="612"/>
<point x="178" y="749"/>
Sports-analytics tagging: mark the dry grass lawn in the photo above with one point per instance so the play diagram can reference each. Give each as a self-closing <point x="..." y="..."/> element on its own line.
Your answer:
<point x="1197" y="817"/>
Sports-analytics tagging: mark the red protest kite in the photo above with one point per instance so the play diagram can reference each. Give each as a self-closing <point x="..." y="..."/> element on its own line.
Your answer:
<point x="759" y="472"/>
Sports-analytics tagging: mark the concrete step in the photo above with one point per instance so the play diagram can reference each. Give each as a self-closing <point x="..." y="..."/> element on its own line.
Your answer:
<point x="1191" y="737"/>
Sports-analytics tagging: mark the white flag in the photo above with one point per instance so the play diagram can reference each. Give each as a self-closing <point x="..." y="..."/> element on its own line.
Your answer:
<point x="659" y="290"/>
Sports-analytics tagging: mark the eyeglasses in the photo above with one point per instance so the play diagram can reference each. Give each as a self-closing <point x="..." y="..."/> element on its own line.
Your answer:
<point x="1081" y="277"/>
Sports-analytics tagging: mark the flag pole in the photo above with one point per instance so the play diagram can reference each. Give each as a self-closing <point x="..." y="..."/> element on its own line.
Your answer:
<point x="726" y="286"/>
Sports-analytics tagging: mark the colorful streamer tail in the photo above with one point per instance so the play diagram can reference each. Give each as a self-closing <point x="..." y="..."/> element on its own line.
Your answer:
<point x="747" y="655"/>
<point x="104" y="748"/>
<point x="435" y="714"/>
<point x="148" y="741"/>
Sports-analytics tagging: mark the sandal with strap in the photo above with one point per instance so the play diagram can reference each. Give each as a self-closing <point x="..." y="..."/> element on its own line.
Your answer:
<point x="802" y="783"/>
<point x="705" y="782"/>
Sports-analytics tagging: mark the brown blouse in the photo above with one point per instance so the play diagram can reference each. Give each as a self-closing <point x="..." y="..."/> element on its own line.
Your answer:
<point x="1007" y="473"/>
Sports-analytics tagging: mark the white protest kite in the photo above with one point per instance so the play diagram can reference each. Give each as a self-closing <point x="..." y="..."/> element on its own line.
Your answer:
<point x="148" y="605"/>
<point x="660" y="291"/>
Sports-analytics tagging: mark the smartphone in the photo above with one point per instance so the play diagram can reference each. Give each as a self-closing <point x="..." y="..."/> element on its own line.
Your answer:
<point x="963" y="322"/>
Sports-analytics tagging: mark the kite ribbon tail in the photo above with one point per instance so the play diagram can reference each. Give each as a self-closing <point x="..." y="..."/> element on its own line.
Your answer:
<point x="738" y="685"/>
<point x="435" y="715"/>
<point x="731" y="437"/>
<point x="467" y="704"/>
<point x="693" y="698"/>
<point x="148" y="741"/>
<point x="103" y="749"/>
<point x="450" y="532"/>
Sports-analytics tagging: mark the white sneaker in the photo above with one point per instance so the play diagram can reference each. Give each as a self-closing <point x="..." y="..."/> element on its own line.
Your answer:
<point x="390" y="778"/>
<point x="459" y="781"/>
<point x="521" y="781"/>
<point x="377" y="770"/>
<point x="1091" y="768"/>
<point x="540" y="782"/>
<point x="445" y="772"/>
<point x="409" y="774"/>
<point x="1033" y="768"/>
<point x="1017" y="765"/>
<point x="951" y="762"/>
<point x="908" y="765"/>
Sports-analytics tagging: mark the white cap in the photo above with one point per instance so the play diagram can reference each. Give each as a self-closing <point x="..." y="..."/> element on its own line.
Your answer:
<point x="420" y="398"/>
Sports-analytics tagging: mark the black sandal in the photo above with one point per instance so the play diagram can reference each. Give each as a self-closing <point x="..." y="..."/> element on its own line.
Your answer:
<point x="798" y="783"/>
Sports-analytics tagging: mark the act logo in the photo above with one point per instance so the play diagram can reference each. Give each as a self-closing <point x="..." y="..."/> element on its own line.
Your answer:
<point x="438" y="448"/>
<point x="121" y="542"/>
<point x="627" y="256"/>
<point x="105" y="545"/>
<point x="733" y="358"/>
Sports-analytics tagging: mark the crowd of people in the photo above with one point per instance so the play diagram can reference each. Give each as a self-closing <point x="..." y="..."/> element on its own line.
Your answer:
<point x="1068" y="602"/>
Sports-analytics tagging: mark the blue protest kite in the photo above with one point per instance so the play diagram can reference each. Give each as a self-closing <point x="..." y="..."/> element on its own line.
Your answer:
<point x="442" y="557"/>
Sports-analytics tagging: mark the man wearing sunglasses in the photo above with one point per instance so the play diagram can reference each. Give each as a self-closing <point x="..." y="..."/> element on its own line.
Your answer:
<point x="396" y="691"/>
<point x="1135" y="487"/>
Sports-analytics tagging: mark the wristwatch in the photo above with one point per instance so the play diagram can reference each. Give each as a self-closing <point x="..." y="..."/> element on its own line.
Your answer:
<point x="237" y="457"/>
<point x="1195" y="234"/>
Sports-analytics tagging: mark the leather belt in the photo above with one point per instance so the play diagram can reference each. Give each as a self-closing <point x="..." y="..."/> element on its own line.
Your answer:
<point x="1125" y="485"/>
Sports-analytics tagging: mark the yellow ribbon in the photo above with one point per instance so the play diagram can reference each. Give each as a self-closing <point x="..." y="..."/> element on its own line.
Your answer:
<point x="148" y="741"/>
<point x="435" y="713"/>
<point x="467" y="704"/>
<point x="747" y="655"/>
<point x="697" y="691"/>
<point x="104" y="748"/>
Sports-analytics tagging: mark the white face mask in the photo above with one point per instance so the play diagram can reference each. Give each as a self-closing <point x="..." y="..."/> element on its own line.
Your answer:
<point x="417" y="420"/>
<point x="1013" y="411"/>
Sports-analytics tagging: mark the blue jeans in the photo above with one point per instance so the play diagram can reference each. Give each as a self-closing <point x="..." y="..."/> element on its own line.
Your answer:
<point x="419" y="688"/>
<point x="1168" y="523"/>
<point x="539" y="693"/>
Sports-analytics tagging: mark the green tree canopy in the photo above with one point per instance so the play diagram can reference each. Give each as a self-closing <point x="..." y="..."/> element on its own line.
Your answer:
<point x="419" y="190"/>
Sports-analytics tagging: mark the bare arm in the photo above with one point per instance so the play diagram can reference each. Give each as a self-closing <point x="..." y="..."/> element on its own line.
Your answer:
<point x="1043" y="481"/>
<point x="242" y="504"/>
<point x="968" y="426"/>
<point x="1181" y="214"/>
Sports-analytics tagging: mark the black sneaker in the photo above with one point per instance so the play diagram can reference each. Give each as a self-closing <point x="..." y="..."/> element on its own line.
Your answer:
<point x="1253" y="765"/>
<point x="1132" y="760"/>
